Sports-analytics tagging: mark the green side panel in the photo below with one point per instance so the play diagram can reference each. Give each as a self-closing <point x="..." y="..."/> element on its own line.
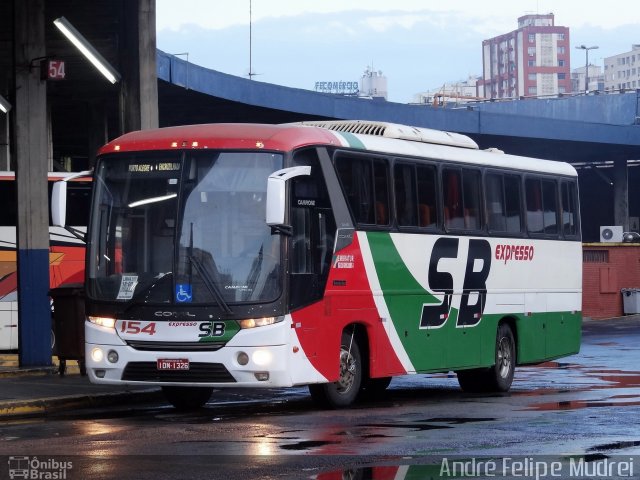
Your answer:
<point x="429" y="349"/>
<point x="544" y="336"/>
<point x="539" y="337"/>
<point x="352" y="140"/>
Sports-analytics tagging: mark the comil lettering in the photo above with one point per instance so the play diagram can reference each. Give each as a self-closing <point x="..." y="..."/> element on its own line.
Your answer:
<point x="519" y="253"/>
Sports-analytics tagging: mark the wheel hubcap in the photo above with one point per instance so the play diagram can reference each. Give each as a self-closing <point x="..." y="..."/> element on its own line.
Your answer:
<point x="347" y="371"/>
<point x="504" y="357"/>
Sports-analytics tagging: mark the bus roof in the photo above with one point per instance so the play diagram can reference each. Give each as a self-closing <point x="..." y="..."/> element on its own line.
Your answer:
<point x="389" y="138"/>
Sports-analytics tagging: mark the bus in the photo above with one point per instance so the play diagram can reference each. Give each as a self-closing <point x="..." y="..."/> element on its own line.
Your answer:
<point x="334" y="254"/>
<point x="66" y="249"/>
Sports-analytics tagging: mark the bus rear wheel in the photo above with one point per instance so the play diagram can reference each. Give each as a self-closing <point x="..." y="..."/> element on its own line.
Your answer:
<point x="187" y="398"/>
<point x="499" y="377"/>
<point x="345" y="391"/>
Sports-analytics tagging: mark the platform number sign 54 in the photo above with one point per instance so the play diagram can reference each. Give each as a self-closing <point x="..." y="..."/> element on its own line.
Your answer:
<point x="474" y="283"/>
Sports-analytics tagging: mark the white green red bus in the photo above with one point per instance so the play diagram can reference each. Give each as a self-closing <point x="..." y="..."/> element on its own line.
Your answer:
<point x="66" y="250"/>
<point x="330" y="254"/>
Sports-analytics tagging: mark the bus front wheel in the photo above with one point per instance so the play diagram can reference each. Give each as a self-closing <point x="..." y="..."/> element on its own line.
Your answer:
<point x="345" y="391"/>
<point x="187" y="398"/>
<point x="499" y="377"/>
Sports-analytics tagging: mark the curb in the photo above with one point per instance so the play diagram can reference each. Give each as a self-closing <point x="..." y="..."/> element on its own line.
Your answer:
<point x="43" y="406"/>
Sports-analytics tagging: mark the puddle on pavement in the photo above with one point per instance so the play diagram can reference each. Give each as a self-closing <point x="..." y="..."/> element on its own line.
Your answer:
<point x="600" y="380"/>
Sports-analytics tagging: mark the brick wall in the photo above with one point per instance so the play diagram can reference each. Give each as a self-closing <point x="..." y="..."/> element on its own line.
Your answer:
<point x="607" y="268"/>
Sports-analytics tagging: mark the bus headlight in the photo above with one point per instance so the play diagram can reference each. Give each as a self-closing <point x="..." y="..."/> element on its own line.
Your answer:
<point x="103" y="321"/>
<point x="259" y="322"/>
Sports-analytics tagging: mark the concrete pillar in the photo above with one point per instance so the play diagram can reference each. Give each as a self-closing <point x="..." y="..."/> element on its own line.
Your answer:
<point x="621" y="194"/>
<point x="139" y="86"/>
<point x="30" y="112"/>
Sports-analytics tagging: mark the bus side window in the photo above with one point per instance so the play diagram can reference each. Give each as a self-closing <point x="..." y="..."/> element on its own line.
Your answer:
<point x="471" y="199"/>
<point x="452" y="192"/>
<point x="503" y="203"/>
<point x="542" y="206"/>
<point x="550" y="206"/>
<point x="405" y="195"/>
<point x="365" y="184"/>
<point x="569" y="209"/>
<point x="535" y="222"/>
<point x="427" y="193"/>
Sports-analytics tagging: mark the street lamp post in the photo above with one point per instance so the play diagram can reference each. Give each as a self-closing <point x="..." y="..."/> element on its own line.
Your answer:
<point x="586" y="70"/>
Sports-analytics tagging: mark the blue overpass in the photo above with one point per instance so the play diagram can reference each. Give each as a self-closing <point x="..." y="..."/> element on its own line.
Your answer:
<point x="599" y="134"/>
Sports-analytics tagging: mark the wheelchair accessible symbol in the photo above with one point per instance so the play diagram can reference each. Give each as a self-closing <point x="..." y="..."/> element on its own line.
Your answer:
<point x="183" y="293"/>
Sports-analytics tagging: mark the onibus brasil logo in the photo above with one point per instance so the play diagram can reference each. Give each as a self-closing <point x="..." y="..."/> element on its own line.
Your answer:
<point x="34" y="468"/>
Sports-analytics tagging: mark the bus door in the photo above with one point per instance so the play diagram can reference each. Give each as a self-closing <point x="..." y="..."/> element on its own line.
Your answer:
<point x="313" y="231"/>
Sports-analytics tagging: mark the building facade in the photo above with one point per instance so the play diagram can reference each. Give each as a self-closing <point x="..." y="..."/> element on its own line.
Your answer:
<point x="596" y="79"/>
<point x="622" y="71"/>
<point x="533" y="60"/>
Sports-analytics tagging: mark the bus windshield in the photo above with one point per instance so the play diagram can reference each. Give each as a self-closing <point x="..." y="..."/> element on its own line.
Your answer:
<point x="175" y="228"/>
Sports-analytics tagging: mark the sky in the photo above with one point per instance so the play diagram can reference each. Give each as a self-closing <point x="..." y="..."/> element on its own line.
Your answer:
<point x="419" y="45"/>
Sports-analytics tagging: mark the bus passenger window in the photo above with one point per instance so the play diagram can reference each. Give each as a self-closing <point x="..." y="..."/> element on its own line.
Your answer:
<point x="365" y="184"/>
<point x="535" y="222"/>
<point x="405" y="193"/>
<point x="550" y="204"/>
<point x="569" y="209"/>
<point x="452" y="192"/>
<point x="381" y="177"/>
<point x="471" y="199"/>
<point x="427" y="196"/>
<point x="503" y="203"/>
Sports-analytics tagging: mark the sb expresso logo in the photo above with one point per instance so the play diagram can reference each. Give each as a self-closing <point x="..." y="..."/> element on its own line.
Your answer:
<point x="474" y="283"/>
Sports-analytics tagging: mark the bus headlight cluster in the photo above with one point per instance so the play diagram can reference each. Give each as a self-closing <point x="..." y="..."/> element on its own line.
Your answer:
<point x="259" y="322"/>
<point x="103" y="321"/>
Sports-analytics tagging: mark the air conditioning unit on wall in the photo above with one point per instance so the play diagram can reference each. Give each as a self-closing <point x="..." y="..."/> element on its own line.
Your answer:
<point x="611" y="233"/>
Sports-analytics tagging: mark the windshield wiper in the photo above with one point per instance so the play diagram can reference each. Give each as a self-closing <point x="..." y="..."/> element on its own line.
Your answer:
<point x="209" y="283"/>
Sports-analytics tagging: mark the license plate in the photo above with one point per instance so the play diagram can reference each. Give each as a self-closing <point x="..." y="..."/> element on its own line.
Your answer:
<point x="172" y="364"/>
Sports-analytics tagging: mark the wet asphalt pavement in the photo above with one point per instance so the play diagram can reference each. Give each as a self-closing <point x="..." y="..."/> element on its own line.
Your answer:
<point x="586" y="405"/>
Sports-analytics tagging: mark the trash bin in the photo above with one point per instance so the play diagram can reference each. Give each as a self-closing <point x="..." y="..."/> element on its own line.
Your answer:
<point x="68" y="324"/>
<point x="631" y="300"/>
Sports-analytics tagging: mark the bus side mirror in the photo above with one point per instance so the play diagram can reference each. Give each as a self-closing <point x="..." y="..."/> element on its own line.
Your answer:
<point x="277" y="193"/>
<point x="59" y="204"/>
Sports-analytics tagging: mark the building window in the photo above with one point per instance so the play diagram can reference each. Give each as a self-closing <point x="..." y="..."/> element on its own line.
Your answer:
<point x="561" y="36"/>
<point x="533" y="90"/>
<point x="532" y="63"/>
<point x="561" y="63"/>
<point x="533" y="76"/>
<point x="560" y="50"/>
<point x="561" y="76"/>
<point x="532" y="38"/>
<point x="531" y="51"/>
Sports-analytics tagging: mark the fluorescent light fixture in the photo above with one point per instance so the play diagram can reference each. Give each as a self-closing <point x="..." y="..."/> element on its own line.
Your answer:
<point x="5" y="106"/>
<point x="147" y="201"/>
<point x="87" y="49"/>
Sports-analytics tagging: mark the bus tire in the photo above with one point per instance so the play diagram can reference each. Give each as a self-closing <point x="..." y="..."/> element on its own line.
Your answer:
<point x="501" y="374"/>
<point x="497" y="378"/>
<point x="345" y="391"/>
<point x="187" y="398"/>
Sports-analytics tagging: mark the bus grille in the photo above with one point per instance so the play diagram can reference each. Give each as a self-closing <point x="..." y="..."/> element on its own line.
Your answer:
<point x="198" y="372"/>
<point x="176" y="346"/>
